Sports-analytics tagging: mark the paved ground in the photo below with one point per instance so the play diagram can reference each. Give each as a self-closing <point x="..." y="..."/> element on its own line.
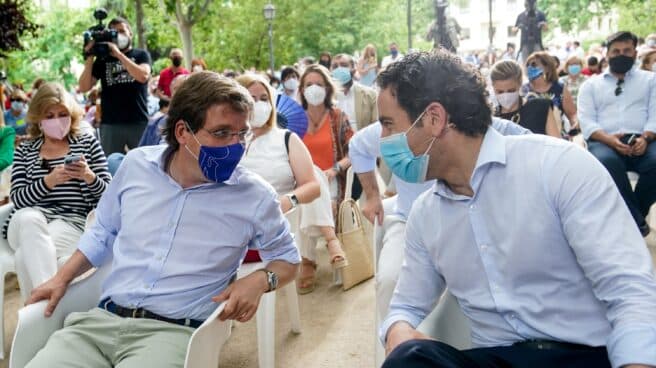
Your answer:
<point x="338" y="327"/>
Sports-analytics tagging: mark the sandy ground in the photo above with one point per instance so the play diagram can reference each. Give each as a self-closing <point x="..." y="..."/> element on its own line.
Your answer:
<point x="337" y="327"/>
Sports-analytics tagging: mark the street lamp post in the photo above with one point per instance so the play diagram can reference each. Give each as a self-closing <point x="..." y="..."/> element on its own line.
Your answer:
<point x="269" y="14"/>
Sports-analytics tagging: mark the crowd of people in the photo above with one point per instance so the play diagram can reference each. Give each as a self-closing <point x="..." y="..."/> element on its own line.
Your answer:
<point x="537" y="239"/>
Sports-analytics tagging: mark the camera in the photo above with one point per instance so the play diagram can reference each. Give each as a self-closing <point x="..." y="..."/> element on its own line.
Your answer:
<point x="100" y="35"/>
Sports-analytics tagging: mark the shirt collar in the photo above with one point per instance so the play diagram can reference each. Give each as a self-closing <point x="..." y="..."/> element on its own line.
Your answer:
<point x="161" y="155"/>
<point x="493" y="150"/>
<point x="628" y="74"/>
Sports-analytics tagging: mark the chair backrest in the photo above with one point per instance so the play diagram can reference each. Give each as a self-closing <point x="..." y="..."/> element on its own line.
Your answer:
<point x="204" y="347"/>
<point x="447" y="323"/>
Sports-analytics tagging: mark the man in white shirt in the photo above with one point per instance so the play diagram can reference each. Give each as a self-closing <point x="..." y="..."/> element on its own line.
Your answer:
<point x="529" y="233"/>
<point x="355" y="100"/>
<point x="394" y="56"/>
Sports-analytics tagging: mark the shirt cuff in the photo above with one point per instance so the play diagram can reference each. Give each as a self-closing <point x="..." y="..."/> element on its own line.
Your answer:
<point x="590" y="130"/>
<point x="633" y="345"/>
<point x="94" y="252"/>
<point x="394" y="317"/>
<point x="41" y="188"/>
<point x="362" y="164"/>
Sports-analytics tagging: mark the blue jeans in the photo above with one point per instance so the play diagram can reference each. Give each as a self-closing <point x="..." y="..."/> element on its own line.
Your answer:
<point x="639" y="200"/>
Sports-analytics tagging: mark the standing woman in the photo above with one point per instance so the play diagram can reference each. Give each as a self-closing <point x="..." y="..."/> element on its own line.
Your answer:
<point x="543" y="82"/>
<point x="536" y="114"/>
<point x="52" y="199"/>
<point x="368" y="66"/>
<point x="327" y="140"/>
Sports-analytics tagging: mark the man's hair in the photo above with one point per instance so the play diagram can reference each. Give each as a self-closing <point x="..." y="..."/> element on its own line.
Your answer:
<point x="197" y="95"/>
<point x="577" y="43"/>
<point x="177" y="50"/>
<point x="347" y="57"/>
<point x="592" y="61"/>
<point x="621" y="37"/>
<point x="120" y="20"/>
<point x="440" y="76"/>
<point x="285" y="73"/>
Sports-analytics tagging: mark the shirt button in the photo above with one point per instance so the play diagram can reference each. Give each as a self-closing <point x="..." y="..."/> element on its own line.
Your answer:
<point x="483" y="247"/>
<point x="471" y="207"/>
<point x="159" y="258"/>
<point x="512" y="316"/>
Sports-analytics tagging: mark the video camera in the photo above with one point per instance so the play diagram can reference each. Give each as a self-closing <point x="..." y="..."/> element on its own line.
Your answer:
<point x="100" y="35"/>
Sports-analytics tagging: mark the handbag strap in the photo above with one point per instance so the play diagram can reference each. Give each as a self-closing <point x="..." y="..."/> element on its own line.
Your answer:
<point x="349" y="183"/>
<point x="354" y="212"/>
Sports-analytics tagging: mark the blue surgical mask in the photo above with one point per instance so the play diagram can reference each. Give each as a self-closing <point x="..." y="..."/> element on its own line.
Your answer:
<point x="18" y="106"/>
<point x="401" y="160"/>
<point x="574" y="69"/>
<point x="534" y="72"/>
<point x="217" y="163"/>
<point x="394" y="52"/>
<point x="342" y="75"/>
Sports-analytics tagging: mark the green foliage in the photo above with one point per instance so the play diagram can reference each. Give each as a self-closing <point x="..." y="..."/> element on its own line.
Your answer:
<point x="50" y="52"/>
<point x="14" y="24"/>
<point x="637" y="16"/>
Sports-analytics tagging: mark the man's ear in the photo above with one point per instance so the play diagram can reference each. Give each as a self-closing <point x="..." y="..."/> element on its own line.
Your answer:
<point x="180" y="130"/>
<point x="435" y="118"/>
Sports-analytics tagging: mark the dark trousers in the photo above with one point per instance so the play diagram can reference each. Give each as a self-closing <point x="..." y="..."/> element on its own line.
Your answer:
<point x="640" y="200"/>
<point x="434" y="354"/>
<point x="115" y="137"/>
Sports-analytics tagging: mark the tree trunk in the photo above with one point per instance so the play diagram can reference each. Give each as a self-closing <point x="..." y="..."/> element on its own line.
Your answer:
<point x="187" y="44"/>
<point x="141" y="31"/>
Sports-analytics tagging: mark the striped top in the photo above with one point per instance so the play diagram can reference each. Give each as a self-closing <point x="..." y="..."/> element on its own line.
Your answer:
<point x="71" y="201"/>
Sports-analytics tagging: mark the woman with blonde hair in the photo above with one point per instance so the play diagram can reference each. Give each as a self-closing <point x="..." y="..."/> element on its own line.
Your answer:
<point x="541" y="69"/>
<point x="574" y="79"/>
<point x="535" y="114"/>
<point x="648" y="61"/>
<point x="58" y="177"/>
<point x="368" y="66"/>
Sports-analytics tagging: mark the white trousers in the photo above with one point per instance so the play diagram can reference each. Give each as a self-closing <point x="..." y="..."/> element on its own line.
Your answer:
<point x="313" y="216"/>
<point x="40" y="246"/>
<point x="390" y="260"/>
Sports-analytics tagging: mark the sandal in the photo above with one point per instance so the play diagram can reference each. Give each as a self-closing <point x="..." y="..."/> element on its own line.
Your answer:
<point x="337" y="257"/>
<point x="307" y="283"/>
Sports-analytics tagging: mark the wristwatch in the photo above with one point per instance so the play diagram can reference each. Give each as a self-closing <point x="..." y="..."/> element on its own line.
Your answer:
<point x="337" y="167"/>
<point x="292" y="199"/>
<point x="272" y="279"/>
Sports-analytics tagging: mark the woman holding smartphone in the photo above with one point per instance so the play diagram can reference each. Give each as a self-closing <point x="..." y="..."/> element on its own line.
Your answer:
<point x="58" y="177"/>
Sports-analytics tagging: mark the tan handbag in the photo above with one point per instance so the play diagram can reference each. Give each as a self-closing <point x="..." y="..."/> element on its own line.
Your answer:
<point x="356" y="242"/>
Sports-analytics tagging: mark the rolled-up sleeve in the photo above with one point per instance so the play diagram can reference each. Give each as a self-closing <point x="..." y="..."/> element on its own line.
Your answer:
<point x="364" y="148"/>
<point x="97" y="241"/>
<point x="586" y="109"/>
<point x="612" y="253"/>
<point x="420" y="284"/>
<point x="273" y="238"/>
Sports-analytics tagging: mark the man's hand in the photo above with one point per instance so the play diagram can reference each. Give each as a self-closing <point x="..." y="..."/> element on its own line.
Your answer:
<point x="87" y="49"/>
<point x="52" y="290"/>
<point x="373" y="210"/>
<point x="639" y="147"/>
<point x="242" y="297"/>
<point x="616" y="144"/>
<point x="113" y="49"/>
<point x="401" y="332"/>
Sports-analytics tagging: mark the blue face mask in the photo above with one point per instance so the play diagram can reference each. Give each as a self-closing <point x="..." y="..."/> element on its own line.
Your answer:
<point x="401" y="160"/>
<point x="574" y="69"/>
<point x="534" y="72"/>
<point x="18" y="106"/>
<point x="342" y="75"/>
<point x="218" y="163"/>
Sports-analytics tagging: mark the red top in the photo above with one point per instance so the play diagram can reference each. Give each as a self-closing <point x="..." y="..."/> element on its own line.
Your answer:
<point x="166" y="76"/>
<point x="320" y="145"/>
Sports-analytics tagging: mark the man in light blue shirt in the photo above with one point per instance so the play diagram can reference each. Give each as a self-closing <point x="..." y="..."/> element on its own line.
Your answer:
<point x="540" y="254"/>
<point x="617" y="112"/>
<point x="176" y="223"/>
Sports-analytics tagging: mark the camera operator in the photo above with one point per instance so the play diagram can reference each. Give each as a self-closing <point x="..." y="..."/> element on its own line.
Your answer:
<point x="531" y="22"/>
<point x="124" y="78"/>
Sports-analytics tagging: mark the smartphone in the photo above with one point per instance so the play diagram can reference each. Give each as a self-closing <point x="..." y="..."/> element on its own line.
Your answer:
<point x="629" y="139"/>
<point x="71" y="159"/>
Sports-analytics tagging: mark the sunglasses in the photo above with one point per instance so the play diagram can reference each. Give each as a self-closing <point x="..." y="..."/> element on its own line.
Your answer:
<point x="618" y="88"/>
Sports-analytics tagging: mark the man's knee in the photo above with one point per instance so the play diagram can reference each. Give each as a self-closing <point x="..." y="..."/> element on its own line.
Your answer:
<point x="420" y="353"/>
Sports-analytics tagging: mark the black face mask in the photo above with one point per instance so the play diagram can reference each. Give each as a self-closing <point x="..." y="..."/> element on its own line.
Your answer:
<point x="621" y="64"/>
<point x="176" y="61"/>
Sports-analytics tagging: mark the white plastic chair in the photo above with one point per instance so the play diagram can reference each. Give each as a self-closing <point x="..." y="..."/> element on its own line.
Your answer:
<point x="7" y="265"/>
<point x="447" y="323"/>
<point x="33" y="329"/>
<point x="266" y="310"/>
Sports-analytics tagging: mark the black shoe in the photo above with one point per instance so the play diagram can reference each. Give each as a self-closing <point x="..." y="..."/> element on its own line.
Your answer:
<point x="644" y="230"/>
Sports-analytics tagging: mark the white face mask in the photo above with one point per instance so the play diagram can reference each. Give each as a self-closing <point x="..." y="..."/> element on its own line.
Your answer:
<point x="508" y="99"/>
<point x="197" y="68"/>
<point x="123" y="41"/>
<point x="261" y="114"/>
<point x="315" y="95"/>
<point x="291" y="84"/>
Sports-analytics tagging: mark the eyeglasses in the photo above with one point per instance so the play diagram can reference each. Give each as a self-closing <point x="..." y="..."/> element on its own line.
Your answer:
<point x="618" y="88"/>
<point x="226" y="134"/>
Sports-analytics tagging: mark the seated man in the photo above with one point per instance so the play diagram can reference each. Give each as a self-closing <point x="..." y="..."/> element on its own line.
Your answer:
<point x="528" y="233"/>
<point x="177" y="219"/>
<point x="617" y="111"/>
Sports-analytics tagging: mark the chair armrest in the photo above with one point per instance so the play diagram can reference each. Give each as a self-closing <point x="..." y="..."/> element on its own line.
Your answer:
<point x="32" y="332"/>
<point x="206" y="342"/>
<point x="447" y="323"/>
